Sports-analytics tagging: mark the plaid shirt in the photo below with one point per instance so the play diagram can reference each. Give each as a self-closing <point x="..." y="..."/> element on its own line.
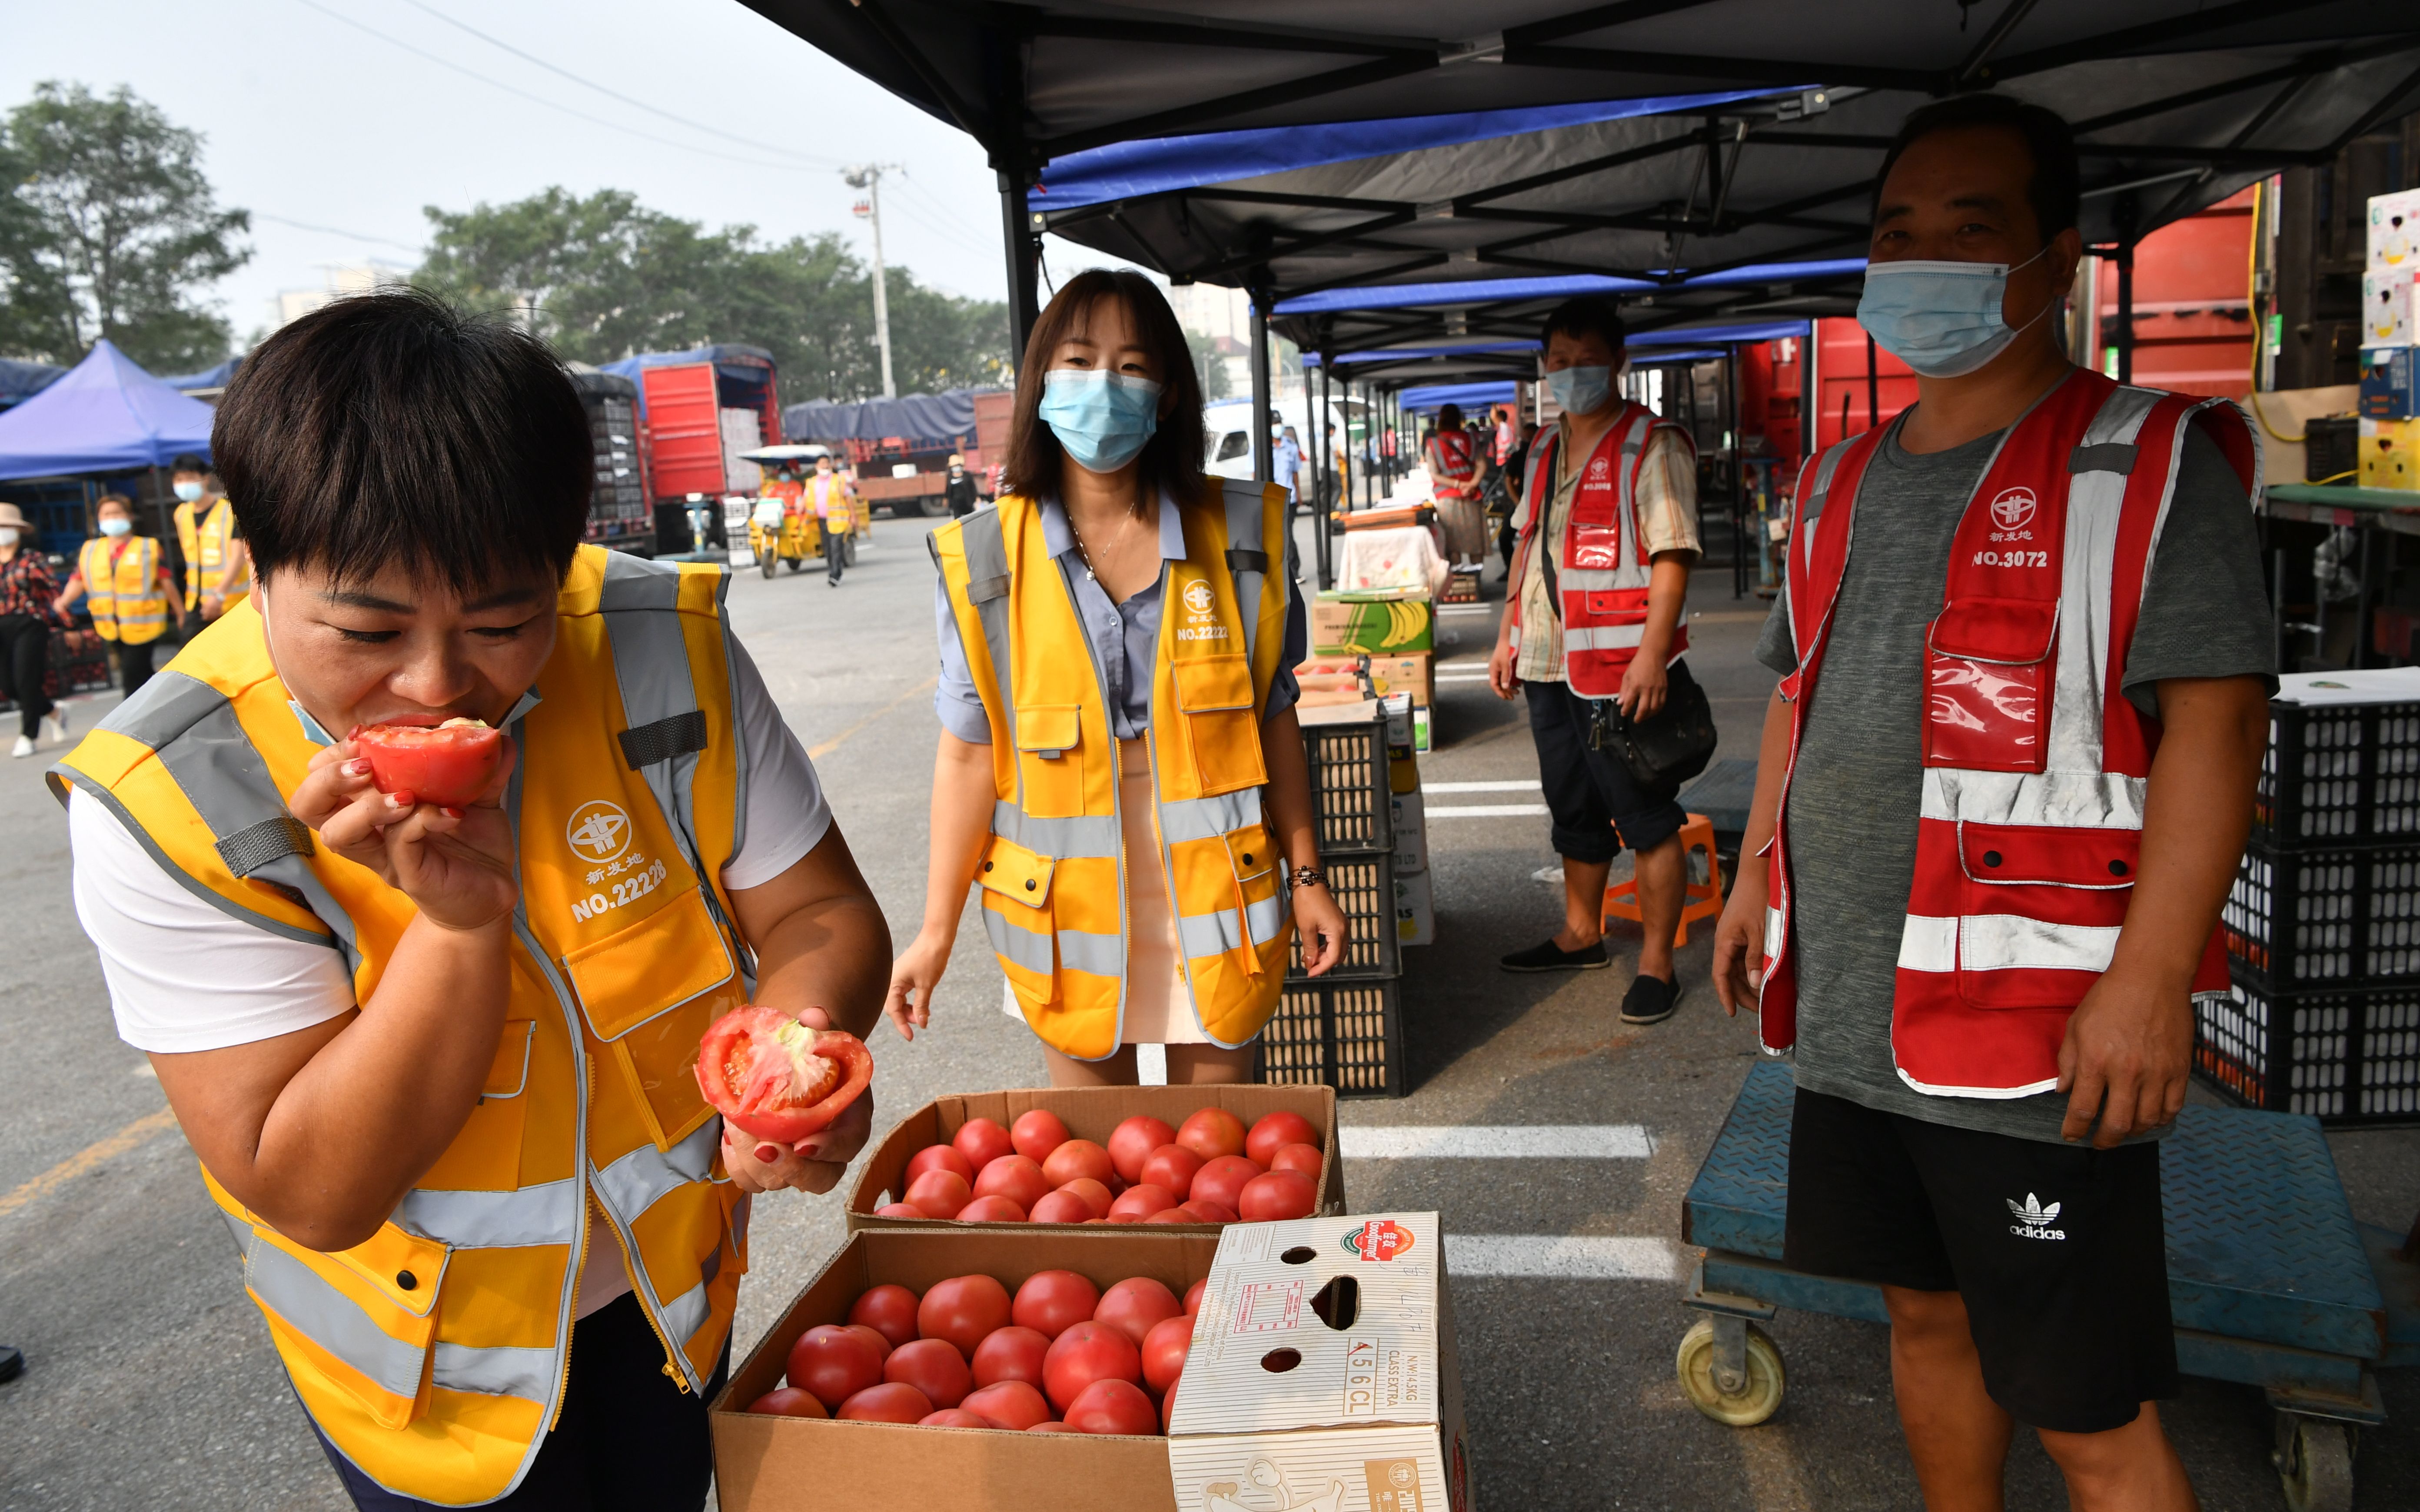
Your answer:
<point x="26" y="586"/>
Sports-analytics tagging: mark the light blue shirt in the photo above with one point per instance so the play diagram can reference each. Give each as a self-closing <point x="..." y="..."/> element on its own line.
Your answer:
<point x="1125" y="636"/>
<point x="1287" y="464"/>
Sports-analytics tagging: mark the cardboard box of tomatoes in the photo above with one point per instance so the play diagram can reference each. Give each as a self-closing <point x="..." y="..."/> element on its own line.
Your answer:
<point x="1231" y="1161"/>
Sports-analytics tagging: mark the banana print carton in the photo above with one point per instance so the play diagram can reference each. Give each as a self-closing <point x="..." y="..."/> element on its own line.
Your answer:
<point x="1388" y="624"/>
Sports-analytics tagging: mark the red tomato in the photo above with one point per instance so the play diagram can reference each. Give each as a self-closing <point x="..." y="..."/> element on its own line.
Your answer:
<point x="1163" y="1350"/>
<point x="1134" y="1140"/>
<point x="1175" y="1216"/>
<point x="889" y="1310"/>
<point x="981" y="1141"/>
<point x="1078" y="1159"/>
<point x="1168" y="1412"/>
<point x="957" y="1417"/>
<point x="1207" y="1212"/>
<point x="938" y="1194"/>
<point x="1133" y="1306"/>
<point x="1010" y="1354"/>
<point x="1274" y="1132"/>
<point x="1304" y="1158"/>
<point x="940" y="1158"/>
<point x="835" y="1362"/>
<point x="449" y="765"/>
<point x="1193" y="1296"/>
<point x="1173" y="1166"/>
<point x="1061" y="1207"/>
<point x="1012" y="1404"/>
<point x="1054" y="1426"/>
<point x="1141" y="1202"/>
<point x="901" y="1210"/>
<point x="933" y="1367"/>
<point x="789" y="1402"/>
<point x="1016" y="1178"/>
<point x="1112" y="1407"/>
<point x="1095" y="1196"/>
<point x="1222" y="1181"/>
<point x="1035" y="1134"/>
<point x="873" y="1336"/>
<point x="1212" y="1133"/>
<point x="890" y="1402"/>
<point x="963" y="1309"/>
<point x="1278" y="1195"/>
<point x="776" y="1078"/>
<point x="992" y="1210"/>
<point x="1085" y="1354"/>
<point x="1051" y="1301"/>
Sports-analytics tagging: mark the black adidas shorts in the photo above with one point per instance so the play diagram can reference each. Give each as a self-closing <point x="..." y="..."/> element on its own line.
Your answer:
<point x="2057" y="1250"/>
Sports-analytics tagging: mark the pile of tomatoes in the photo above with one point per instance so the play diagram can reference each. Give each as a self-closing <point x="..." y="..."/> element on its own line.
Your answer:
<point x="1060" y="1356"/>
<point x="1208" y="1171"/>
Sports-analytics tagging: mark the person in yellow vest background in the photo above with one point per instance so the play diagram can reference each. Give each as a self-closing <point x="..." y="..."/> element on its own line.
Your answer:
<point x="437" y="1061"/>
<point x="832" y="496"/>
<point x="217" y="568"/>
<point x="1121" y="773"/>
<point x="127" y="588"/>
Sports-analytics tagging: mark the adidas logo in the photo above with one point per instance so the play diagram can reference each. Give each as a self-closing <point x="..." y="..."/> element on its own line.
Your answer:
<point x="2033" y="1218"/>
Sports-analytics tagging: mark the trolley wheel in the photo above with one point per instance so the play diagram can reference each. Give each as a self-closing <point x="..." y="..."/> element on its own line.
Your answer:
<point x="2314" y="1461"/>
<point x="768" y="560"/>
<point x="1758" y="1395"/>
<point x="796" y="563"/>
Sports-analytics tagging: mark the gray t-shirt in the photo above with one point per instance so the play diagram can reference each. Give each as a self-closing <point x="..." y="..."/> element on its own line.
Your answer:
<point x="1857" y="789"/>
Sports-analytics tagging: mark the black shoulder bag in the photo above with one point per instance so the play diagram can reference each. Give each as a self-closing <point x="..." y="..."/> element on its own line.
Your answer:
<point x="1670" y="747"/>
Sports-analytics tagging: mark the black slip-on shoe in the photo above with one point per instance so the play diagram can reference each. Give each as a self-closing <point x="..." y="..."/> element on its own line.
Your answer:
<point x="1650" y="1000"/>
<point x="1552" y="957"/>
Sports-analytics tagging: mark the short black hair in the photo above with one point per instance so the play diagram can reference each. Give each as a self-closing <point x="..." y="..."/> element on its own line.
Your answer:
<point x="395" y="426"/>
<point x="2056" y="190"/>
<point x="1585" y="315"/>
<point x="187" y="462"/>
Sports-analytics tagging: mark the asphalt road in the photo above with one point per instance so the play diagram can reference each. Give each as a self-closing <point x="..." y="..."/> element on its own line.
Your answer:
<point x="150" y="1382"/>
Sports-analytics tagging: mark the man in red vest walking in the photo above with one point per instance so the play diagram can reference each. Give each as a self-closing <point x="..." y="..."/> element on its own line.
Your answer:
<point x="2003" y="786"/>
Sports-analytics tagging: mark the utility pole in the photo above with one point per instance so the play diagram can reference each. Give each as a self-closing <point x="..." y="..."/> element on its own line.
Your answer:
<point x="868" y="177"/>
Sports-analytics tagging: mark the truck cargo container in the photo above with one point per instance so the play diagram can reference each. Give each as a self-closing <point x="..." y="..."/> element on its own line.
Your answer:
<point x="700" y="410"/>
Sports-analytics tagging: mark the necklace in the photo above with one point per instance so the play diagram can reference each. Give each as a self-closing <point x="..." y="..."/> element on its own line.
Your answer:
<point x="1086" y="553"/>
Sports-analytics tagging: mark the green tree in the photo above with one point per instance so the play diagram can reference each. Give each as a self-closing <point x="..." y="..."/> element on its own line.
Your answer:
<point x="110" y="229"/>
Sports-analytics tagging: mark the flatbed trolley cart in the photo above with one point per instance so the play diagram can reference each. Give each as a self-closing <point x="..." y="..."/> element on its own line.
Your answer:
<point x="2270" y="1280"/>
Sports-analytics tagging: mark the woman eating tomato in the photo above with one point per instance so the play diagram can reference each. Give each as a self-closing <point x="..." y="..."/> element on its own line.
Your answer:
<point x="1121" y="772"/>
<point x="422" y="875"/>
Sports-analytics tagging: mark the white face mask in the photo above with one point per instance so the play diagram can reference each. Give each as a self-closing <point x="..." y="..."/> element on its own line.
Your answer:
<point x="189" y="491"/>
<point x="8" y="537"/>
<point x="117" y="525"/>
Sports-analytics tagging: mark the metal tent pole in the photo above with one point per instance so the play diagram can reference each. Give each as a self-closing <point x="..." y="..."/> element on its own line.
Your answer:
<point x="1024" y="243"/>
<point x="1264" y="453"/>
<point x="2125" y="332"/>
<point x="1321" y="548"/>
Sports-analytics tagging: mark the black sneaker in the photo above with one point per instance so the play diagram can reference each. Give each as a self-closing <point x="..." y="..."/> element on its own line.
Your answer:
<point x="1553" y="957"/>
<point x="1650" y="1000"/>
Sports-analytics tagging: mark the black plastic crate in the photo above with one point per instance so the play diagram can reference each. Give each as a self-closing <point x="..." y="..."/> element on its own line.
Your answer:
<point x="1347" y="1035"/>
<point x="2351" y="1056"/>
<point x="1364" y="887"/>
<point x="2300" y="919"/>
<point x="2339" y="775"/>
<point x="1349" y="795"/>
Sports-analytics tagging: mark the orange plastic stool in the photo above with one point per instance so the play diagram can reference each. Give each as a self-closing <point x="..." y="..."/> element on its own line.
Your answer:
<point x="1699" y="900"/>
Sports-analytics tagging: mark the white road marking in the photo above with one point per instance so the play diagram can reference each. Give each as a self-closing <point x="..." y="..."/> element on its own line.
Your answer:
<point x="1476" y="674"/>
<point x="1479" y="1141"/>
<point x="1567" y="1258"/>
<point x="1522" y="785"/>
<point x="1494" y="810"/>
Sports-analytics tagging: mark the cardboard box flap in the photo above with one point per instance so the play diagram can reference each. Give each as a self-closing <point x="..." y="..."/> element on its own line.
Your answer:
<point x="1317" y="1324"/>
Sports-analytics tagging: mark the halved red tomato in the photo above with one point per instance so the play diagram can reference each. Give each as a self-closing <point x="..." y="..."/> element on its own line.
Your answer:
<point x="448" y="764"/>
<point x="777" y="1078"/>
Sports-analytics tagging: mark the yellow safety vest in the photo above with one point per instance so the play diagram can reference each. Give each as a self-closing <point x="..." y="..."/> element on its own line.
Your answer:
<point x="828" y="495"/>
<point x="124" y="597"/>
<point x="1052" y="874"/>
<point x="208" y="545"/>
<point x="434" y="1355"/>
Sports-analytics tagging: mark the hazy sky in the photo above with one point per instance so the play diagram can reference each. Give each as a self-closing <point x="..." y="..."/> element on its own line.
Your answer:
<point x="308" y="118"/>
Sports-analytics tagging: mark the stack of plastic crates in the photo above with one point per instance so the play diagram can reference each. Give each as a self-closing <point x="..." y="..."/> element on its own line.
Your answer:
<point x="2322" y="925"/>
<point x="619" y="512"/>
<point x="1345" y="1030"/>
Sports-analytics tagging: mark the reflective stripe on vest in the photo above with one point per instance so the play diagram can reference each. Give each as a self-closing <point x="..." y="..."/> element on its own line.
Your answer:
<point x="1602" y="579"/>
<point x="205" y="545"/>
<point x="1052" y="876"/>
<point x="2036" y="765"/>
<point x="432" y="1356"/>
<point x="123" y="595"/>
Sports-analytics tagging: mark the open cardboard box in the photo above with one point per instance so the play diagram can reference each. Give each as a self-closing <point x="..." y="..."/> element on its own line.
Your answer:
<point x="789" y="1464"/>
<point x="1090" y="1113"/>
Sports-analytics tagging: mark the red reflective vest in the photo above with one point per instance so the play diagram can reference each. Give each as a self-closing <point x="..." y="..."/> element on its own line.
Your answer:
<point x="1602" y="579"/>
<point x="2036" y="765"/>
<point x="1453" y="462"/>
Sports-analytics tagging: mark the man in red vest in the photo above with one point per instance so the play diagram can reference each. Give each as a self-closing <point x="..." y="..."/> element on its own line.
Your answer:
<point x="2004" y="787"/>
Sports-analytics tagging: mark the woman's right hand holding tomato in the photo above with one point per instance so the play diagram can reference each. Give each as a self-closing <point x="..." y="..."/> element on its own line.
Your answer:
<point x="914" y="976"/>
<point x="456" y="864"/>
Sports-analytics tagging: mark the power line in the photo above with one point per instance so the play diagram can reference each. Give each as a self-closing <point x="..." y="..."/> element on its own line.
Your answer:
<point x="616" y="95"/>
<point x="336" y="231"/>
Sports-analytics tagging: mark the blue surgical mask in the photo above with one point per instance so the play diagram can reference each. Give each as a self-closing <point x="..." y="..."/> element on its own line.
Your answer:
<point x="1580" y="389"/>
<point x="189" y="491"/>
<point x="116" y="525"/>
<point x="1941" y="319"/>
<point x="1103" y="419"/>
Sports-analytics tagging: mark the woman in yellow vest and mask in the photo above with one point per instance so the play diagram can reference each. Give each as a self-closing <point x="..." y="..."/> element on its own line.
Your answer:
<point x="436" y="1061"/>
<point x="1121" y="773"/>
<point x="126" y="588"/>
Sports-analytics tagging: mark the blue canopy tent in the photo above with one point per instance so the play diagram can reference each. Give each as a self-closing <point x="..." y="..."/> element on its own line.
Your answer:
<point x="1434" y="396"/>
<point x="20" y="382"/>
<point x="209" y="380"/>
<point x="105" y="415"/>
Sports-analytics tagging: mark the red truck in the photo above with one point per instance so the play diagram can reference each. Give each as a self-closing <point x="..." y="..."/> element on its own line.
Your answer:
<point x="699" y="410"/>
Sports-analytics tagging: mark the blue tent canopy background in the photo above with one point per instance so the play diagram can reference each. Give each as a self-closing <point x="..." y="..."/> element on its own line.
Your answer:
<point x="105" y="414"/>
<point x="20" y="382"/>
<point x="1468" y="395"/>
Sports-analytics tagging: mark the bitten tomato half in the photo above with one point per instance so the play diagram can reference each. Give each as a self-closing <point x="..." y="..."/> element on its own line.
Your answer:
<point x="448" y="764"/>
<point x="777" y="1078"/>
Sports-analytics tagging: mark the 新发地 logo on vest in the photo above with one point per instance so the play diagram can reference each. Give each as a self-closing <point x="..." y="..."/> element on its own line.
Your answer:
<point x="597" y="831"/>
<point x="2013" y="509"/>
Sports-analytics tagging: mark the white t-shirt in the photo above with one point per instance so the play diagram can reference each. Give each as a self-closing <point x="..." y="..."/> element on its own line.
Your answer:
<point x="185" y="976"/>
